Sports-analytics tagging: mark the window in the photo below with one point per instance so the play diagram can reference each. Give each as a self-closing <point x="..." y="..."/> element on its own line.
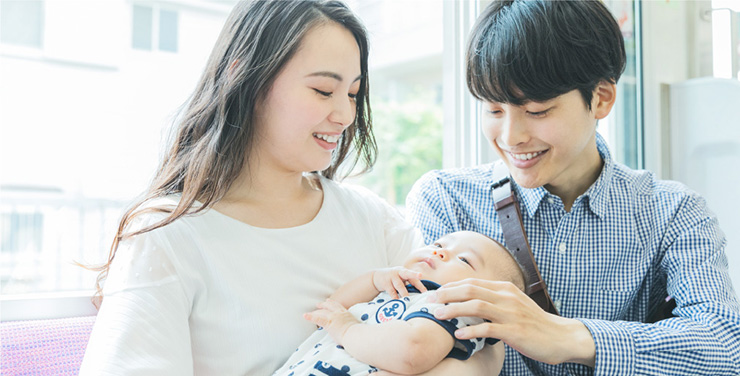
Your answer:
<point x="167" y="31"/>
<point x="22" y="22"/>
<point x="145" y="31"/>
<point x="141" y="37"/>
<point x="406" y="92"/>
<point x="623" y="128"/>
<point x="725" y="17"/>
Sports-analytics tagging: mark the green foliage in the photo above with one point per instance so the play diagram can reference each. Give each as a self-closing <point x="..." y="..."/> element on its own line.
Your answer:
<point x="409" y="137"/>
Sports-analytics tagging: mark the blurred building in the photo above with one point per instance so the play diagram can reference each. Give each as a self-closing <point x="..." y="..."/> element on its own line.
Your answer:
<point x="87" y="90"/>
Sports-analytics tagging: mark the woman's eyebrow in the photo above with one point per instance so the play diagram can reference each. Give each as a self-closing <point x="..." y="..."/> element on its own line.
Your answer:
<point x="333" y="75"/>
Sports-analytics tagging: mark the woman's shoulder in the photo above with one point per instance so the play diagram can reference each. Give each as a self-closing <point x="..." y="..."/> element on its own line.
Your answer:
<point x="346" y="199"/>
<point x="351" y="193"/>
<point x="156" y="211"/>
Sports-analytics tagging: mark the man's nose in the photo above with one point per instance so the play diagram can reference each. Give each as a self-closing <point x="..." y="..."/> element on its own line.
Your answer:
<point x="513" y="131"/>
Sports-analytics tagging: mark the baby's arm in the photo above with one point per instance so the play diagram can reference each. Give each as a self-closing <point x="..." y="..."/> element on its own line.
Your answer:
<point x="367" y="286"/>
<point x="487" y="362"/>
<point x="403" y="347"/>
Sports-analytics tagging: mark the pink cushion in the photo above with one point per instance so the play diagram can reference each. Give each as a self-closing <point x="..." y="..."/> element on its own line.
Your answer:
<point x="44" y="347"/>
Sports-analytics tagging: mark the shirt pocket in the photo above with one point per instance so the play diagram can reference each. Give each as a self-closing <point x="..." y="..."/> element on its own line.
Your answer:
<point x="623" y="268"/>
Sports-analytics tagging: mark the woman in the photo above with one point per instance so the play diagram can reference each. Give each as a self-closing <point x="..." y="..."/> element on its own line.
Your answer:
<point x="238" y="235"/>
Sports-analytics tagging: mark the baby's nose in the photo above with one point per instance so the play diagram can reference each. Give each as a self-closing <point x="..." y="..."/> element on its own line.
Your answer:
<point x="441" y="254"/>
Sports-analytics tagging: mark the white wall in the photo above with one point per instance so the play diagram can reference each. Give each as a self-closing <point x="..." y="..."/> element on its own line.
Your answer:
<point x="676" y="46"/>
<point x="705" y="150"/>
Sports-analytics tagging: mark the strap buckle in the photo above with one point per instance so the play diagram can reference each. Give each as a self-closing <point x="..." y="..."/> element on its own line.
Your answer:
<point x="501" y="182"/>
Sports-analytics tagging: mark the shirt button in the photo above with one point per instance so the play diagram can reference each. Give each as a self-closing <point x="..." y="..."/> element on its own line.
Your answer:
<point x="562" y="248"/>
<point x="556" y="303"/>
<point x="551" y="200"/>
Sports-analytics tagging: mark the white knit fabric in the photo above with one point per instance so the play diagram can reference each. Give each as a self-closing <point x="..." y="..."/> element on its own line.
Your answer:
<point x="210" y="295"/>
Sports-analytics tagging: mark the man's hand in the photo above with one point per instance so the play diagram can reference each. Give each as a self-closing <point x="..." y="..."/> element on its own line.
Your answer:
<point x="517" y="320"/>
<point x="394" y="280"/>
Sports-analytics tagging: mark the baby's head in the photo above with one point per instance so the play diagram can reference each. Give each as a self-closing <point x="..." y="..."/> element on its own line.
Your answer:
<point x="465" y="254"/>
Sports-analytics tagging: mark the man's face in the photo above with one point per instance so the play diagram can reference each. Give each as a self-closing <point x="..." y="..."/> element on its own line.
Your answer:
<point x="549" y="143"/>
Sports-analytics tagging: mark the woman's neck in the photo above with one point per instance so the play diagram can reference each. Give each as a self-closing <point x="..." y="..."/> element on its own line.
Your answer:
<point x="270" y="199"/>
<point x="253" y="186"/>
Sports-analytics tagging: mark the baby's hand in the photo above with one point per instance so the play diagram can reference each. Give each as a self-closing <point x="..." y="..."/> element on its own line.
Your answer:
<point x="333" y="317"/>
<point x="393" y="281"/>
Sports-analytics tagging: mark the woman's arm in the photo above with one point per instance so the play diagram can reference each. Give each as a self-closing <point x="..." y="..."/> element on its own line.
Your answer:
<point x="142" y="326"/>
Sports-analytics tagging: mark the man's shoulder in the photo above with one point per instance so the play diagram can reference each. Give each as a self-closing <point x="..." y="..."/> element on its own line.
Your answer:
<point x="647" y="183"/>
<point x="646" y="188"/>
<point x="476" y="175"/>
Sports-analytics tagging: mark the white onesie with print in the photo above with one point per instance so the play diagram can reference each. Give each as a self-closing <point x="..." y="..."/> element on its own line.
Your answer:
<point x="319" y="355"/>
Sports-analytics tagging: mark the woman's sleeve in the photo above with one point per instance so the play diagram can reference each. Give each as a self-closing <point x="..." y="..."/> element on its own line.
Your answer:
<point x="142" y="326"/>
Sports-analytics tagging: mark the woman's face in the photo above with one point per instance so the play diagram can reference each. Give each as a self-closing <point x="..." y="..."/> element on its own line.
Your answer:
<point x="310" y="104"/>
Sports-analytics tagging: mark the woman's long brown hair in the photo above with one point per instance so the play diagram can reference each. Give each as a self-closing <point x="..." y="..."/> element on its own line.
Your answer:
<point x="211" y="142"/>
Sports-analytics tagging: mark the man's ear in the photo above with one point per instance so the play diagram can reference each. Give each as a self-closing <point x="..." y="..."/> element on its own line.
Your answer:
<point x="605" y="94"/>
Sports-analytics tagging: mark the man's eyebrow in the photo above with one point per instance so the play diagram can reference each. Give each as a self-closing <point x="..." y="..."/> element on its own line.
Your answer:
<point x="333" y="75"/>
<point x="545" y="102"/>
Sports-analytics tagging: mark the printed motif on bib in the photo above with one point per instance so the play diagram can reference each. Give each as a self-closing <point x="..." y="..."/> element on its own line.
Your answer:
<point x="392" y="310"/>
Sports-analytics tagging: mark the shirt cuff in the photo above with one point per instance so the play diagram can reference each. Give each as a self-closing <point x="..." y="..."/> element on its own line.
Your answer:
<point x="615" y="348"/>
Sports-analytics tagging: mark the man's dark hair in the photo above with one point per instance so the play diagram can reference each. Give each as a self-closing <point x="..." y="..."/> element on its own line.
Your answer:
<point x="536" y="50"/>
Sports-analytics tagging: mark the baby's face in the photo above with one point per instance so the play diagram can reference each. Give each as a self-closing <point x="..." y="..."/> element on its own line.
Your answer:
<point x="457" y="256"/>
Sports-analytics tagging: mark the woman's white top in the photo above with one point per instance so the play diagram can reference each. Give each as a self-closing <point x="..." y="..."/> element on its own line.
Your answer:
<point x="210" y="295"/>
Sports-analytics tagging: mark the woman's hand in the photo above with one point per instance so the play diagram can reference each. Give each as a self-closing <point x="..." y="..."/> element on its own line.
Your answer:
<point x="517" y="320"/>
<point x="333" y="317"/>
<point x="394" y="280"/>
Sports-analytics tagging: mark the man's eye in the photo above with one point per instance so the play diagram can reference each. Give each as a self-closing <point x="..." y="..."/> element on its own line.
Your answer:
<point x="463" y="259"/>
<point x="323" y="93"/>
<point x="540" y="113"/>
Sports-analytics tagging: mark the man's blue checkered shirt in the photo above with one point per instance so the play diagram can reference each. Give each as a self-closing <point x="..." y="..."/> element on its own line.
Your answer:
<point x="626" y="241"/>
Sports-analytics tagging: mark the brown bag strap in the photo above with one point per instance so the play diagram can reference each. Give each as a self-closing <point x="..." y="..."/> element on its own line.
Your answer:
<point x="510" y="217"/>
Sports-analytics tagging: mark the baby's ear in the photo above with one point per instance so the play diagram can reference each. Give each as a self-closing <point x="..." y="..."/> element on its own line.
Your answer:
<point x="605" y="94"/>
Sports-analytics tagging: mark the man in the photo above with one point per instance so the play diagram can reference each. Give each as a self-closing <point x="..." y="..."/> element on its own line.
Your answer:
<point x="609" y="241"/>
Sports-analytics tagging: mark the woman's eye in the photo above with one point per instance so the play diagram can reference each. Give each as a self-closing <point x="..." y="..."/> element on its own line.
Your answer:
<point x="323" y="93"/>
<point x="352" y="96"/>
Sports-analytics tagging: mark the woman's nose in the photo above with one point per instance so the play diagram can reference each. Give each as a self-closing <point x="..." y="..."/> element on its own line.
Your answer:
<point x="344" y="111"/>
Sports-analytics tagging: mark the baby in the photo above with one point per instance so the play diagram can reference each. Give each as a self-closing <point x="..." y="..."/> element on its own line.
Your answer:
<point x="397" y="331"/>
